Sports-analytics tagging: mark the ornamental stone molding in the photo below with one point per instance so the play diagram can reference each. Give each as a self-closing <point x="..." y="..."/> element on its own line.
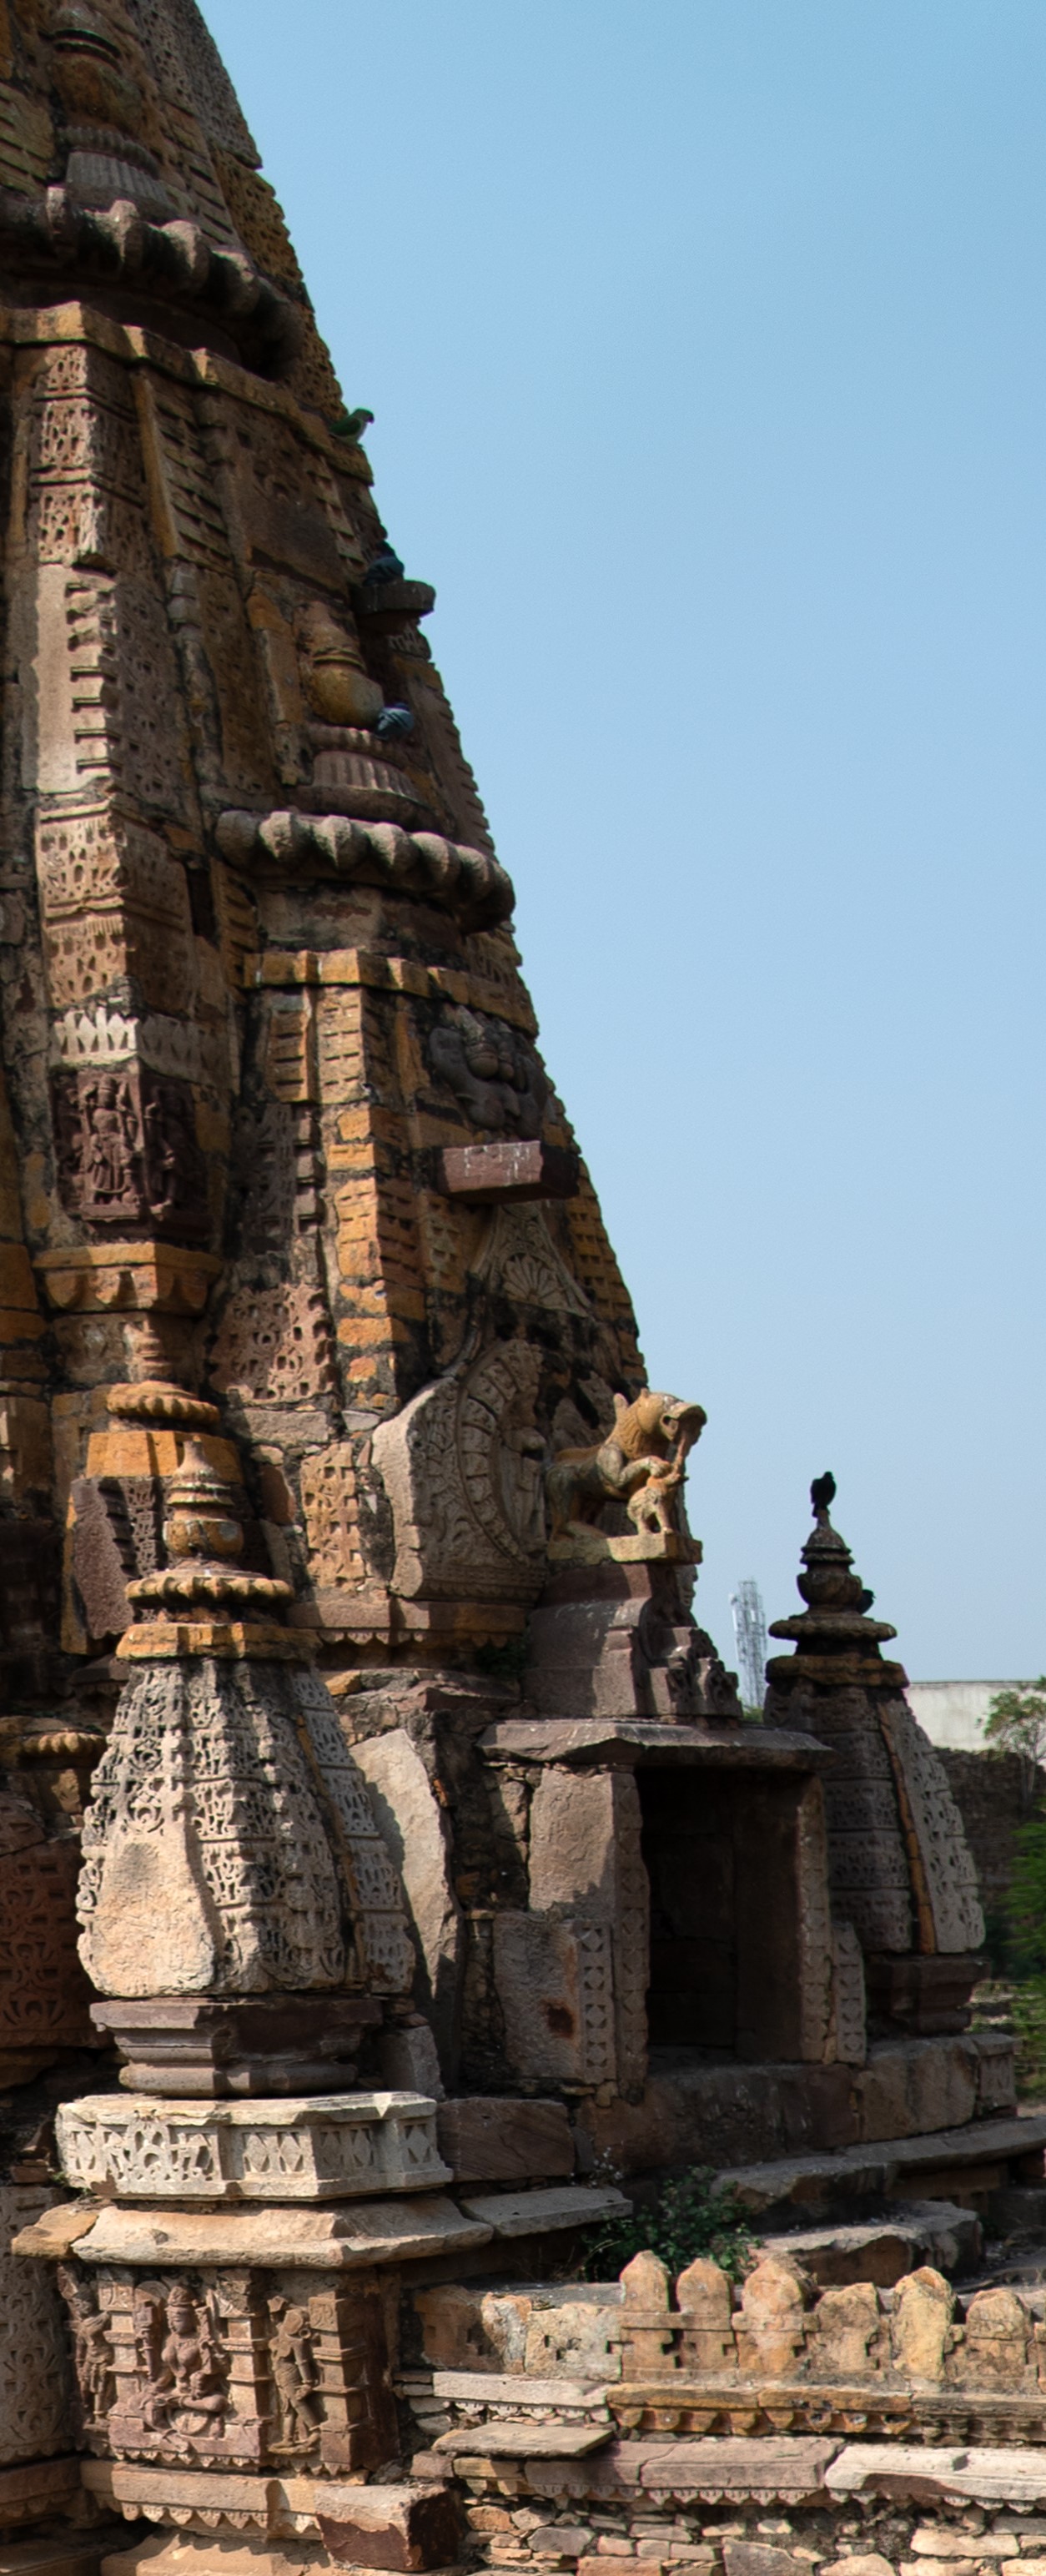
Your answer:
<point x="339" y="2147"/>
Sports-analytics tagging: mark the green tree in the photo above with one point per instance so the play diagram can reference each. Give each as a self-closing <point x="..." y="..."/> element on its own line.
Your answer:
<point x="1016" y="1723"/>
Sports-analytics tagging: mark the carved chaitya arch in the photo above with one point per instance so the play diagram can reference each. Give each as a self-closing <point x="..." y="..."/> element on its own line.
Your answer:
<point x="462" y="1469"/>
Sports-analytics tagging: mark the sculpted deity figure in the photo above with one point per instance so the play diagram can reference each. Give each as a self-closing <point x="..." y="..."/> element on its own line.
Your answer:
<point x="296" y="2379"/>
<point x="183" y="2366"/>
<point x="92" y="2350"/>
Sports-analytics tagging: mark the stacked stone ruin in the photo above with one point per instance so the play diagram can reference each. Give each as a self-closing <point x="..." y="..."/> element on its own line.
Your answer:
<point x="390" y="1883"/>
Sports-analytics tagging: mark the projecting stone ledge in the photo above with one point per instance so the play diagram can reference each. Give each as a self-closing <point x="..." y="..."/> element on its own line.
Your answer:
<point x="883" y="2170"/>
<point x="371" y="2231"/>
<point x="338" y="2146"/>
<point x="626" y="1741"/>
<point x="340" y="2240"/>
<point x="400" y="2527"/>
<point x="533" y="2213"/>
<point x="905" y="2472"/>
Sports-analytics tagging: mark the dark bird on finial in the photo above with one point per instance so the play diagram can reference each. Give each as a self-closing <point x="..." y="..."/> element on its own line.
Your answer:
<point x="386" y="566"/>
<point x="865" y="1602"/>
<point x="822" y="1496"/>
<point x="394" y="724"/>
<point x="351" y="424"/>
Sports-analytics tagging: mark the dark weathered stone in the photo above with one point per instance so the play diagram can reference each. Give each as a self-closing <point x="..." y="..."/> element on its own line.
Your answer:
<point x="498" y="2140"/>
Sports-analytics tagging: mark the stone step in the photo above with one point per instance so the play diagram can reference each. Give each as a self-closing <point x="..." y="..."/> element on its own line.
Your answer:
<point x="523" y="2437"/>
<point x="962" y="2165"/>
<point x="1018" y="2214"/>
<point x="531" y="2213"/>
<point x="883" y="2250"/>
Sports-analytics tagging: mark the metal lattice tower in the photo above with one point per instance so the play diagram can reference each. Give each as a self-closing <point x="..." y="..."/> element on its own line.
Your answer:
<point x="749" y="1619"/>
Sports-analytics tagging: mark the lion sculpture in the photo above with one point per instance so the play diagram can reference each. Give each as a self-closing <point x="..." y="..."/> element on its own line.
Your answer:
<point x="641" y="1463"/>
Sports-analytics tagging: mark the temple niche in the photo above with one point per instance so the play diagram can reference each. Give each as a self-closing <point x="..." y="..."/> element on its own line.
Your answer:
<point x="390" y="1881"/>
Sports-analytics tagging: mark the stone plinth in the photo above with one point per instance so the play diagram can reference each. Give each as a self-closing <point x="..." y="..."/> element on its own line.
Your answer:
<point x="341" y="2146"/>
<point x="222" y="2046"/>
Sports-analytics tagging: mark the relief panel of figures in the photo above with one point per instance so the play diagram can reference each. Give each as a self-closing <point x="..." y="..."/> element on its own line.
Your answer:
<point x="240" y="2369"/>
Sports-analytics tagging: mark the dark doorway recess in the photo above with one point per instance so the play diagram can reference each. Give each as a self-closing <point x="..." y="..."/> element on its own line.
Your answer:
<point x="722" y="1853"/>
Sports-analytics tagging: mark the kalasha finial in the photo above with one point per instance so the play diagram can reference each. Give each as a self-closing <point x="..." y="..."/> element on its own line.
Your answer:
<point x="822" y="1496"/>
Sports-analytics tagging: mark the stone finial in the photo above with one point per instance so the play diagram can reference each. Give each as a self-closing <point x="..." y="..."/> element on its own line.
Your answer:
<point x="921" y="2323"/>
<point x="772" y="2322"/>
<point x="995" y="2351"/>
<point x="847" y="2323"/>
<point x="646" y="2342"/>
<point x="705" y="2300"/>
<point x="834" y="1637"/>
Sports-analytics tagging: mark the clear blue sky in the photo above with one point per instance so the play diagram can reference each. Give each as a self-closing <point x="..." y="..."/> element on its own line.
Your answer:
<point x="707" y="346"/>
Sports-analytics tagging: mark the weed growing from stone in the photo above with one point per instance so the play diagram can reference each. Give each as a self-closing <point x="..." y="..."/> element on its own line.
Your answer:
<point x="692" y="2214"/>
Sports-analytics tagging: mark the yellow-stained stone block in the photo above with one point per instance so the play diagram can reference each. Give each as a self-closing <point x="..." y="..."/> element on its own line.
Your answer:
<point x="408" y="1303"/>
<point x="213" y="1130"/>
<point x="137" y="1449"/>
<point x="362" y="1334"/>
<point x="20" y="1326"/>
<point x="17" y="1285"/>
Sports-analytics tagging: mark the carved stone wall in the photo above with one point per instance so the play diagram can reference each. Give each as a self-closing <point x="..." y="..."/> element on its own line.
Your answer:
<point x="35" y="2389"/>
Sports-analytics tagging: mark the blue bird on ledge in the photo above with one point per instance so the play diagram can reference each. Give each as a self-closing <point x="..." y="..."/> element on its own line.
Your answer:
<point x="394" y="724"/>
<point x="385" y="567"/>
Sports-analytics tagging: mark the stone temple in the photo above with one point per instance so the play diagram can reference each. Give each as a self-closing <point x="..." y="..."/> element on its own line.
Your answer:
<point x="391" y="1886"/>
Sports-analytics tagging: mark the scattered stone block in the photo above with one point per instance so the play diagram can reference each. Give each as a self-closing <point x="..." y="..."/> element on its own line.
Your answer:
<point x="791" y="2469"/>
<point x="758" y="2558"/>
<point x="933" y="2540"/>
<point x="522" y="2439"/>
<point x="497" y="2388"/>
<point x="863" y="2563"/>
<point x="882" y="2250"/>
<point x="929" y="2474"/>
<point x="403" y="2528"/>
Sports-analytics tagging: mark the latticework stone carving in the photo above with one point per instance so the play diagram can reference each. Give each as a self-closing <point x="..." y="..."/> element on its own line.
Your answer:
<point x="230" y="1846"/>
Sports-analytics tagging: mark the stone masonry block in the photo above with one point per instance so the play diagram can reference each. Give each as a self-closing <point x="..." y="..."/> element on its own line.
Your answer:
<point x="499" y="2140"/>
